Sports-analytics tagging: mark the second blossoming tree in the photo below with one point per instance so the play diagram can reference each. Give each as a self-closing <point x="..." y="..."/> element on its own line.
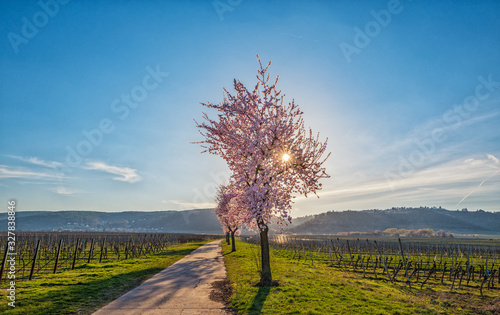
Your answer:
<point x="228" y="211"/>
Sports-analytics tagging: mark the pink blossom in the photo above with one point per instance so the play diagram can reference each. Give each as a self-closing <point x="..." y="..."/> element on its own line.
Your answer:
<point x="252" y="132"/>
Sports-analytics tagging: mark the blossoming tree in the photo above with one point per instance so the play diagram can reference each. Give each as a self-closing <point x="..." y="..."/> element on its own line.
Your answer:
<point x="271" y="156"/>
<point x="228" y="211"/>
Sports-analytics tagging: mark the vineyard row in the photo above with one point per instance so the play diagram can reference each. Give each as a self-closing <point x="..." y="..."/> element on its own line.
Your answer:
<point x="39" y="253"/>
<point x="454" y="265"/>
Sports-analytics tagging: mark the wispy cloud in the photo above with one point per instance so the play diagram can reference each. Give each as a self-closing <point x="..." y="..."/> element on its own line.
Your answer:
<point x="439" y="184"/>
<point x="36" y="161"/>
<point x="490" y="157"/>
<point x="490" y="161"/>
<point x="493" y="158"/>
<point x="63" y="191"/>
<point x="294" y="36"/>
<point x="427" y="129"/>
<point x="11" y="172"/>
<point x="481" y="184"/>
<point x="193" y="205"/>
<point x="125" y="174"/>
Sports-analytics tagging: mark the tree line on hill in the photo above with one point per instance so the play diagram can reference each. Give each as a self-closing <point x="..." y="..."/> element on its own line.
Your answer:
<point x="394" y="232"/>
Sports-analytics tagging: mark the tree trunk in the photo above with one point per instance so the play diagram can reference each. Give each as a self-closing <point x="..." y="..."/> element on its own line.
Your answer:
<point x="266" y="279"/>
<point x="233" y="248"/>
<point x="227" y="239"/>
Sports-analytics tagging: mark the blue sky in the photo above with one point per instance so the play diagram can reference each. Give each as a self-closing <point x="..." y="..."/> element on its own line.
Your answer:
<point x="98" y="99"/>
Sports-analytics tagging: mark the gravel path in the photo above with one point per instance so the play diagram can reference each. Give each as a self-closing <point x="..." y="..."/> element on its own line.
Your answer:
<point x="183" y="288"/>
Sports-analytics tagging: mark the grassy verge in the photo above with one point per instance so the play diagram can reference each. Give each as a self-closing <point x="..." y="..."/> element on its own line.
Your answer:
<point x="321" y="289"/>
<point x="89" y="286"/>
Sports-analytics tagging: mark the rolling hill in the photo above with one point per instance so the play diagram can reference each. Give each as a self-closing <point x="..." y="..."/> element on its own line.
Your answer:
<point x="205" y="221"/>
<point x="462" y="222"/>
<point x="190" y="221"/>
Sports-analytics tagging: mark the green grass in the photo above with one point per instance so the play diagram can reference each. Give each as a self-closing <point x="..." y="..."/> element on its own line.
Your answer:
<point x="322" y="289"/>
<point x="89" y="286"/>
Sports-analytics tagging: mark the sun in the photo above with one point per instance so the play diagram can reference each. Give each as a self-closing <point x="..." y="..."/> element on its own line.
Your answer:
<point x="286" y="157"/>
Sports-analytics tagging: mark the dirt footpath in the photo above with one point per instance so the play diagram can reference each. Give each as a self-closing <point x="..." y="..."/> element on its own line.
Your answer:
<point x="183" y="288"/>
